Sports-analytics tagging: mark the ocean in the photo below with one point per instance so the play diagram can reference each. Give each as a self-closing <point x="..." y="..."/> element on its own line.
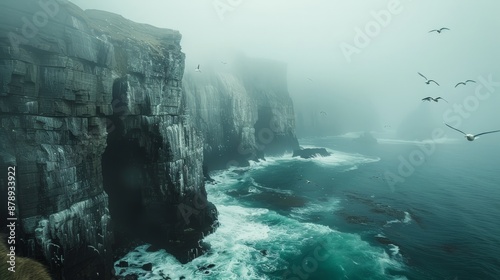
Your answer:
<point x="393" y="210"/>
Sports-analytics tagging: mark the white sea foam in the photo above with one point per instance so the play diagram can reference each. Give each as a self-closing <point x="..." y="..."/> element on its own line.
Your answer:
<point x="338" y="158"/>
<point x="350" y="168"/>
<point x="258" y="188"/>
<point x="394" y="249"/>
<point x="352" y="134"/>
<point x="406" y="220"/>
<point x="315" y="208"/>
<point x="253" y="189"/>
<point x="237" y="246"/>
<point x="396" y="221"/>
<point x="244" y="232"/>
<point x="395" y="253"/>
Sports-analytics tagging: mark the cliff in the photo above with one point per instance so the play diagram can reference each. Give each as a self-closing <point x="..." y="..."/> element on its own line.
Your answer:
<point x="242" y="109"/>
<point x="93" y="118"/>
<point x="109" y="138"/>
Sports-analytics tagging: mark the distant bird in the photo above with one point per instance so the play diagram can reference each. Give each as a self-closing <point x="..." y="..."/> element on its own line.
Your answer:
<point x="465" y="83"/>
<point x="468" y="136"/>
<point x="433" y="99"/>
<point x="439" y="30"/>
<point x="323" y="113"/>
<point x="223" y="62"/>
<point x="197" y="69"/>
<point x="427" y="81"/>
<point x="310" y="79"/>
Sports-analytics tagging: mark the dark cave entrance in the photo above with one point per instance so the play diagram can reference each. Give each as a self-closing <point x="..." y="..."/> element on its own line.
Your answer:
<point x="123" y="164"/>
<point x="264" y="135"/>
<point x="130" y="170"/>
<point x="123" y="177"/>
<point x="270" y="137"/>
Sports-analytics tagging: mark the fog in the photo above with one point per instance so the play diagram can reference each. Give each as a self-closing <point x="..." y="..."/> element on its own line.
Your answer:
<point x="368" y="83"/>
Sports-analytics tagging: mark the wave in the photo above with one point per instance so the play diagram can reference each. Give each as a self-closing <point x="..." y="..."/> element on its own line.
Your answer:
<point x="338" y="158"/>
<point x="406" y="220"/>
<point x="260" y="188"/>
<point x="257" y="243"/>
<point x="315" y="208"/>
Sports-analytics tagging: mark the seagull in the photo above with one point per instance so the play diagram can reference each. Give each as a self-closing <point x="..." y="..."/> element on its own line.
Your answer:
<point x="197" y="69"/>
<point x="468" y="136"/>
<point x="465" y="83"/>
<point x="427" y="81"/>
<point x="433" y="99"/>
<point x="439" y="30"/>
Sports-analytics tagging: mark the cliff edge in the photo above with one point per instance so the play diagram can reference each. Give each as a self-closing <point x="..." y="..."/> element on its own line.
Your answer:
<point x="93" y="118"/>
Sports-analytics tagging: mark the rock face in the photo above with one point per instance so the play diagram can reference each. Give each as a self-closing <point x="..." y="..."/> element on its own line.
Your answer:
<point x="243" y="110"/>
<point x="93" y="113"/>
<point x="93" y="117"/>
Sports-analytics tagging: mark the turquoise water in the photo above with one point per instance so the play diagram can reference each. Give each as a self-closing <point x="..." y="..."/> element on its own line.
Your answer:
<point x="339" y="217"/>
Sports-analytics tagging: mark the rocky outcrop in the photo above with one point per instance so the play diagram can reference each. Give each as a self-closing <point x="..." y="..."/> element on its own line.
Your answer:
<point x="311" y="153"/>
<point x="366" y="139"/>
<point x="243" y="111"/>
<point x="93" y="117"/>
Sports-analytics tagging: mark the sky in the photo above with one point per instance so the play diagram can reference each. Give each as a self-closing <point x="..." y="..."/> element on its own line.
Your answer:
<point x="355" y="56"/>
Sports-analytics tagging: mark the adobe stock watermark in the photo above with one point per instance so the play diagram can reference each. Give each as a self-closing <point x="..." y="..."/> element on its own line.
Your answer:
<point x="364" y="36"/>
<point x="222" y="7"/>
<point x="454" y="116"/>
<point x="310" y="263"/>
<point x="31" y="26"/>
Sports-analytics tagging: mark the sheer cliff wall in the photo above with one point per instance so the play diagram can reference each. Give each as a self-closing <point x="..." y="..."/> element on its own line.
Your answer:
<point x="243" y="110"/>
<point x="92" y="115"/>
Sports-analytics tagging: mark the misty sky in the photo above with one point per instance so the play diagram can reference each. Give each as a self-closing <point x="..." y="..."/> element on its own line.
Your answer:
<point x="308" y="35"/>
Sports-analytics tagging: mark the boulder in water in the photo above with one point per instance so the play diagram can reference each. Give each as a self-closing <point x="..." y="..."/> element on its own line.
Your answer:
<point x="311" y="152"/>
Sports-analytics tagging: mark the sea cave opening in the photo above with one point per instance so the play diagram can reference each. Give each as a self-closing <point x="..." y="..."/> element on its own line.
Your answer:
<point x="122" y="167"/>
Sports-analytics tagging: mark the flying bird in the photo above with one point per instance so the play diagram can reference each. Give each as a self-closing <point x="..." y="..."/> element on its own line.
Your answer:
<point x="427" y="81"/>
<point x="197" y="69"/>
<point x="223" y="62"/>
<point x="439" y="30"/>
<point x="323" y="113"/>
<point x="310" y="80"/>
<point x="465" y="83"/>
<point x="433" y="99"/>
<point x="469" y="136"/>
